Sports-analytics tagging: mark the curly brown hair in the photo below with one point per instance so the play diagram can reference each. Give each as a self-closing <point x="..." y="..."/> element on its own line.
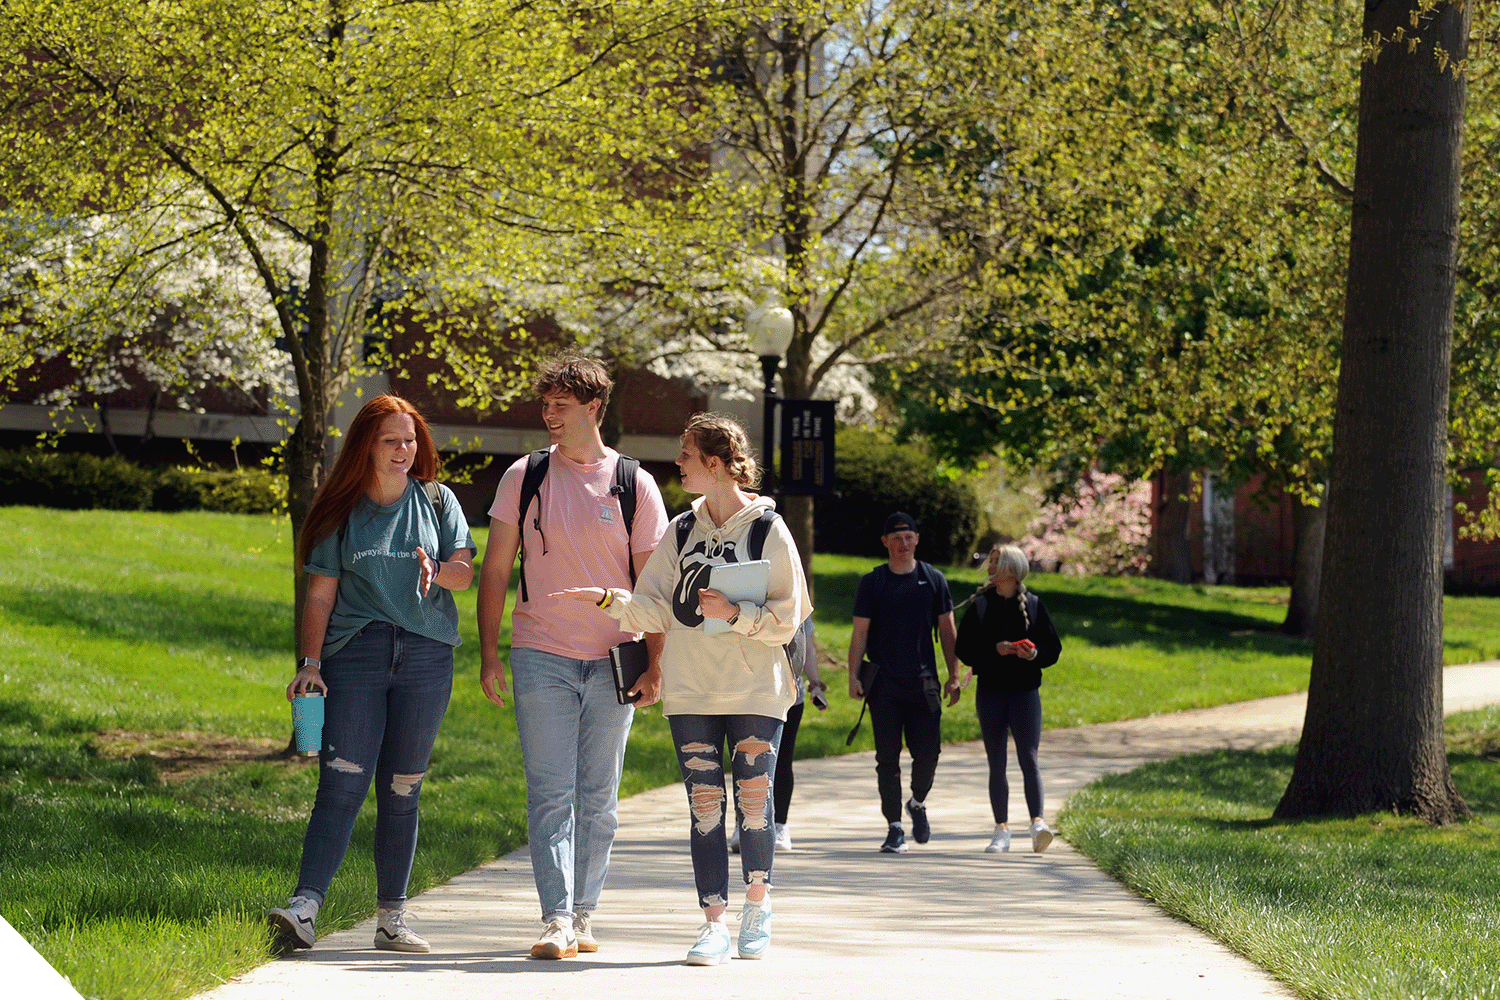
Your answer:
<point x="583" y="378"/>
<point x="722" y="436"/>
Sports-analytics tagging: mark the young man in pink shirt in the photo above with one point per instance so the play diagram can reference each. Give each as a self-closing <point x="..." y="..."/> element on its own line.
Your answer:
<point x="572" y="728"/>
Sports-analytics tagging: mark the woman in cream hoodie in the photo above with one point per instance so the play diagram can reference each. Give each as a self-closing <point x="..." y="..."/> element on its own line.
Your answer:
<point x="734" y="686"/>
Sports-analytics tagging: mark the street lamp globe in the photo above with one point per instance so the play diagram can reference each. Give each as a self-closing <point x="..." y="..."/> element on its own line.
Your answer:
<point x="770" y="328"/>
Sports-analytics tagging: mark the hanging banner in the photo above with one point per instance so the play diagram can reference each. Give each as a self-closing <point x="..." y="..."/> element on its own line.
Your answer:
<point x="807" y="447"/>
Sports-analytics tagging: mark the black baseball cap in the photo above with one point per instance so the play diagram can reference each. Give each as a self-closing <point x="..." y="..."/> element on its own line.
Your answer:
<point x="899" y="522"/>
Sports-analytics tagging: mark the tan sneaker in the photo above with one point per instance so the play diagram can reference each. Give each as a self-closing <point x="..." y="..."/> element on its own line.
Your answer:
<point x="557" y="940"/>
<point x="583" y="931"/>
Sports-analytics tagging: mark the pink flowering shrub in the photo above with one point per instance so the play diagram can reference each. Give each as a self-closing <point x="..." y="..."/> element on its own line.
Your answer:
<point x="1102" y="530"/>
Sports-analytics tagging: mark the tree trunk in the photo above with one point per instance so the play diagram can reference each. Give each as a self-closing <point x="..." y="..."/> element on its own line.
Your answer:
<point x="1172" y="558"/>
<point x="1308" y="524"/>
<point x="798" y="512"/>
<point x="305" y="452"/>
<point x="1373" y="736"/>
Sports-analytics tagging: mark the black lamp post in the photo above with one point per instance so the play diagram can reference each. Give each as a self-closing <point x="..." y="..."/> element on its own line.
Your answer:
<point x="770" y="327"/>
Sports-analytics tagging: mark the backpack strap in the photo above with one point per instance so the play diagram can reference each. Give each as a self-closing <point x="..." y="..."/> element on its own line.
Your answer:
<point x="531" y="485"/>
<point x="623" y="487"/>
<point x="683" y="525"/>
<point x="759" y="529"/>
<point x="930" y="575"/>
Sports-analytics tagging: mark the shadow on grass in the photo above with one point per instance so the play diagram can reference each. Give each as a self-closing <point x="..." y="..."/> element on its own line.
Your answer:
<point x="1254" y="778"/>
<point x="1114" y="621"/>
<point x="1109" y="621"/>
<point x="202" y="620"/>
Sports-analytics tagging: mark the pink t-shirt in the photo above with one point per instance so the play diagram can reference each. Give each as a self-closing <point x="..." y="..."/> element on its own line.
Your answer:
<point x="582" y="543"/>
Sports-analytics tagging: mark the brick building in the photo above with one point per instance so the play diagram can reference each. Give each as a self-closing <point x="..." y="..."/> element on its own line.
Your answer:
<point x="1245" y="536"/>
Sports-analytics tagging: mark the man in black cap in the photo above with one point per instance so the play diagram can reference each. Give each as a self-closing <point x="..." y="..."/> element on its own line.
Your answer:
<point x="898" y="608"/>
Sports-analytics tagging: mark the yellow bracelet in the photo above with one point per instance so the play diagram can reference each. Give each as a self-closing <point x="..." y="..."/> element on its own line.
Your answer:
<point x="609" y="596"/>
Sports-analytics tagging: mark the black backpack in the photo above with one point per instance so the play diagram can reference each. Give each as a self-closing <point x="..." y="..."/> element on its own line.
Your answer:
<point x="622" y="486"/>
<point x="796" y="647"/>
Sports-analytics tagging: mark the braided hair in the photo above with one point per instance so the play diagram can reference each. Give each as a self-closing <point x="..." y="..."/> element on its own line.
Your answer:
<point x="1012" y="559"/>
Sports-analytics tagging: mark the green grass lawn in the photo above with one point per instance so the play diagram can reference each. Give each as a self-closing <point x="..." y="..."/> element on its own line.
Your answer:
<point x="176" y="628"/>
<point x="1378" y="906"/>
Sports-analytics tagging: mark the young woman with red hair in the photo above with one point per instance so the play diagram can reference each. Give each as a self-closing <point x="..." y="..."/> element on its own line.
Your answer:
<point x="382" y="546"/>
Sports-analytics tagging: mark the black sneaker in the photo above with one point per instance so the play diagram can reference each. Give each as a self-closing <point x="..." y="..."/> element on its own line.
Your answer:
<point x="895" y="841"/>
<point x="920" y="831"/>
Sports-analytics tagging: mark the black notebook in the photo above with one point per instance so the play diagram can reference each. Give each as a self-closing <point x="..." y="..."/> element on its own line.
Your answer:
<point x="630" y="661"/>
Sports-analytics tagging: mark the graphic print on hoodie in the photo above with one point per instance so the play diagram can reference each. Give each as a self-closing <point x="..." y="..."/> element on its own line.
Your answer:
<point x="696" y="573"/>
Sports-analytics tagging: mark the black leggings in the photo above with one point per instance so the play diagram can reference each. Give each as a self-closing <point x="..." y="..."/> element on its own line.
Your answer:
<point x="1021" y="714"/>
<point x="781" y="789"/>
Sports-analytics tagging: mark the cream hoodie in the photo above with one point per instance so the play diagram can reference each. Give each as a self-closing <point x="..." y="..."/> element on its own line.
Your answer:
<point x="740" y="672"/>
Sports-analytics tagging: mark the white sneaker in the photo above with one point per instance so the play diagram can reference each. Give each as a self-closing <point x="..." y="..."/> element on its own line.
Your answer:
<point x="999" y="843"/>
<point x="783" y="837"/>
<point x="557" y="940"/>
<point x="583" y="932"/>
<point x="392" y="934"/>
<point x="734" y="840"/>
<point x="1041" y="836"/>
<point x="294" y="922"/>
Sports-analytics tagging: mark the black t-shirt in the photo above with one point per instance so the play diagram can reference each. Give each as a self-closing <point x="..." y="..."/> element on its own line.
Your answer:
<point x="903" y="608"/>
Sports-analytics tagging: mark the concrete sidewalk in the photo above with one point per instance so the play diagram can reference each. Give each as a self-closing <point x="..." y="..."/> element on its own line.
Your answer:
<point x="944" y="920"/>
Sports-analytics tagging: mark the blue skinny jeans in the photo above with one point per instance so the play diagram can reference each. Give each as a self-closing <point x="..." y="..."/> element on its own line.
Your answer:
<point x="388" y="690"/>
<point x="754" y="742"/>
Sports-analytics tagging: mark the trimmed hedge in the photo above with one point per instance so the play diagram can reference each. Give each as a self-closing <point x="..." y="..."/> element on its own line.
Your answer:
<point x="78" y="481"/>
<point x="877" y="476"/>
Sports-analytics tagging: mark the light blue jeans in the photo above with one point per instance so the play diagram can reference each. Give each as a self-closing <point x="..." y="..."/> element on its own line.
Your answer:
<point x="573" y="735"/>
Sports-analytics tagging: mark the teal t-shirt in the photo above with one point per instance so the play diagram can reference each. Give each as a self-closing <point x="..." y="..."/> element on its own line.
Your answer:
<point x="373" y="557"/>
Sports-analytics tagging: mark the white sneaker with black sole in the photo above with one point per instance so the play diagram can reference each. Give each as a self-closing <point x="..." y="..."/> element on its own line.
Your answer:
<point x="293" y="922"/>
<point x="392" y="934"/>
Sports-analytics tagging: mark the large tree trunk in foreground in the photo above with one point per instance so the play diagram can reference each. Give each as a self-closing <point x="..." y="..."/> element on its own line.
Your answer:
<point x="1172" y="558"/>
<point x="1373" y="737"/>
<point x="1308" y="528"/>
<point x="305" y="455"/>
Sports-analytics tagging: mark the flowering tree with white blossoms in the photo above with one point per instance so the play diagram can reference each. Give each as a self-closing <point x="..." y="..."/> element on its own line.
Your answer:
<point x="193" y="318"/>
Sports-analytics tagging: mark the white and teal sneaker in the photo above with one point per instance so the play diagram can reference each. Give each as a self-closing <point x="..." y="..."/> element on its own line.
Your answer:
<point x="712" y="946"/>
<point x="755" y="928"/>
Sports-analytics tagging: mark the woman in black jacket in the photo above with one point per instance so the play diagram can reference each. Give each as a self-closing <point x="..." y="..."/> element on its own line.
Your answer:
<point x="1006" y="638"/>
